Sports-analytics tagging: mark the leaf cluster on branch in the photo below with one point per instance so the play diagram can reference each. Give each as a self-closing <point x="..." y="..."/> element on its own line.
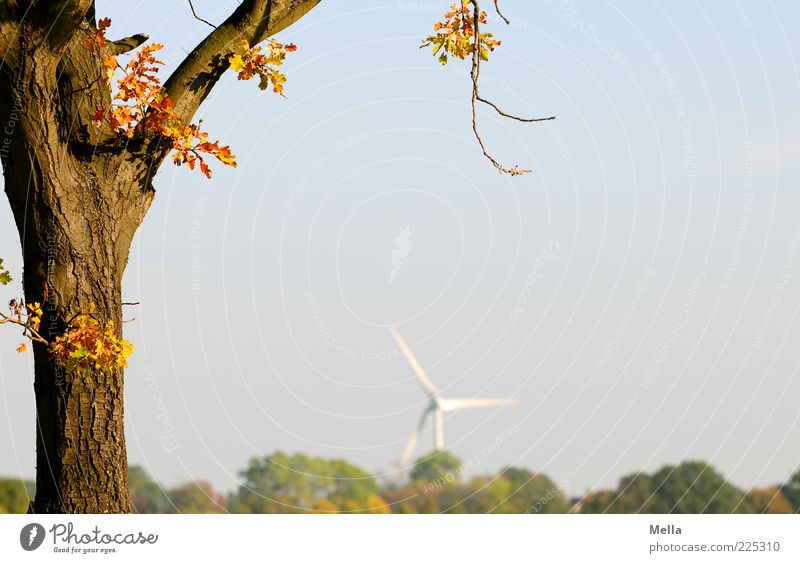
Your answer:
<point x="86" y="344"/>
<point x="459" y="35"/>
<point x="140" y="104"/>
<point x="249" y="61"/>
<point x="455" y="36"/>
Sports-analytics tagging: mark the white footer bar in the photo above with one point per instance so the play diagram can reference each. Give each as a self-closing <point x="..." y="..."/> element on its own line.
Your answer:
<point x="400" y="538"/>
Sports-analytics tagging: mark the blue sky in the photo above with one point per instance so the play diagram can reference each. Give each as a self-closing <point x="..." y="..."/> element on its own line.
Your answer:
<point x="636" y="293"/>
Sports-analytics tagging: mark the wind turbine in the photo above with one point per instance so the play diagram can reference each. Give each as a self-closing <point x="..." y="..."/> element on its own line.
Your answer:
<point x="436" y="403"/>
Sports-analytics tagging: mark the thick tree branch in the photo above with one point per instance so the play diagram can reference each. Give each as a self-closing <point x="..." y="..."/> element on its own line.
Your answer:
<point x="58" y="20"/>
<point x="81" y="88"/>
<point x="9" y="11"/>
<point x="9" y="28"/>
<point x="254" y="21"/>
<point x="127" y="44"/>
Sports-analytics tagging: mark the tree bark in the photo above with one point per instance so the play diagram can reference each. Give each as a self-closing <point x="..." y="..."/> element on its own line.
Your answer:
<point x="81" y="459"/>
<point x="76" y="239"/>
<point x="76" y="214"/>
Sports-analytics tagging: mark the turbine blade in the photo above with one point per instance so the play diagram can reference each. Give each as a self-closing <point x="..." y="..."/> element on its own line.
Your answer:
<point x="448" y="405"/>
<point x="426" y="383"/>
<point x="412" y="441"/>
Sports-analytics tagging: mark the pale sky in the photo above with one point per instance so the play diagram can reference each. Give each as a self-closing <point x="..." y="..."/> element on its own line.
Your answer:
<point x="638" y="294"/>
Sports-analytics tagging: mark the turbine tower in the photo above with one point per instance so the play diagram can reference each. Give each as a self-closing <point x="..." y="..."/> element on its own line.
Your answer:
<point x="437" y="405"/>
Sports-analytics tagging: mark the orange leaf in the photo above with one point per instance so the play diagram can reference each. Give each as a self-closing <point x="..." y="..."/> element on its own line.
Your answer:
<point x="140" y="105"/>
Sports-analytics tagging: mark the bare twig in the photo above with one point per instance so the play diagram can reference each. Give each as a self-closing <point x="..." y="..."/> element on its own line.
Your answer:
<point x="28" y="331"/>
<point x="499" y="13"/>
<point x="514" y="117"/>
<point x="130" y="303"/>
<point x="476" y="95"/>
<point x="194" y="13"/>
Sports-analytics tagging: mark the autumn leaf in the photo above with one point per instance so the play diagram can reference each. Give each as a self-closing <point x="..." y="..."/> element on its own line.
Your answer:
<point x="98" y="38"/>
<point x="34" y="315"/>
<point x="103" y="25"/>
<point x="249" y="62"/>
<point x="88" y="345"/>
<point x="5" y="276"/>
<point x="99" y="117"/>
<point x="22" y="348"/>
<point x="237" y="62"/>
<point x="455" y="36"/>
<point x="141" y="106"/>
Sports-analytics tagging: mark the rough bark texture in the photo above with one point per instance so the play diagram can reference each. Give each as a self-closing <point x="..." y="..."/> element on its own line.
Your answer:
<point x="78" y="194"/>
<point x="76" y="213"/>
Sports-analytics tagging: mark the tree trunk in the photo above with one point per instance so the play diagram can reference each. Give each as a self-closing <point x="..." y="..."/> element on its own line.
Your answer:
<point x="75" y="253"/>
<point x="76" y="214"/>
<point x="81" y="460"/>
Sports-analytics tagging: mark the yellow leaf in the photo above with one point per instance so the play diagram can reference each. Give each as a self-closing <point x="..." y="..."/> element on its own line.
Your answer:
<point x="237" y="62"/>
<point x="22" y="348"/>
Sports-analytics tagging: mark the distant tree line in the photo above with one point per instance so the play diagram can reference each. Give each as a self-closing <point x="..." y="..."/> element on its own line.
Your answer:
<point x="691" y="488"/>
<point x="280" y="483"/>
